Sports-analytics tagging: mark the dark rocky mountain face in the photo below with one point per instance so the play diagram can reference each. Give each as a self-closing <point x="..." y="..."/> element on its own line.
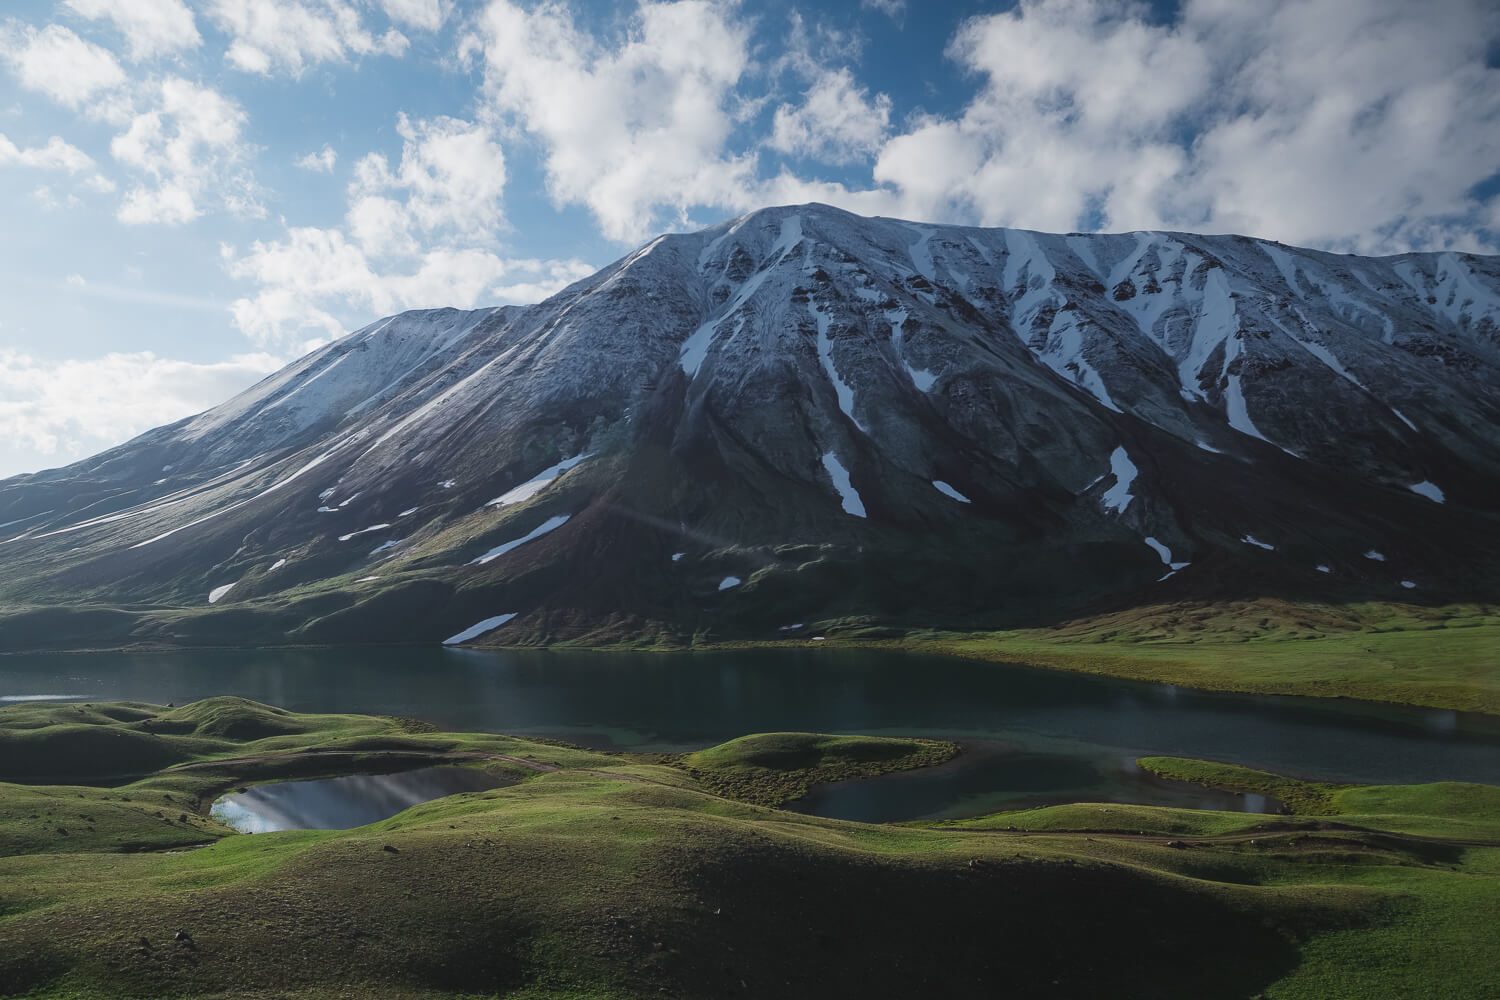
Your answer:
<point x="802" y="416"/>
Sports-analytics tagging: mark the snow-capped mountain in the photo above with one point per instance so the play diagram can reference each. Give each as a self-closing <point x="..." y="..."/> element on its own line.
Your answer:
<point x="803" y="415"/>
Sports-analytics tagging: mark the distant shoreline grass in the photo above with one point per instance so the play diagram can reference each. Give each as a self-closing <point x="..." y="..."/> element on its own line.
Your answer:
<point x="1442" y="658"/>
<point x="1382" y="654"/>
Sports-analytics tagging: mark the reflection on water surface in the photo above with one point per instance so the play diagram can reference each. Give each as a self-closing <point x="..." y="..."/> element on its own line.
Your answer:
<point x="341" y="803"/>
<point x="1067" y="735"/>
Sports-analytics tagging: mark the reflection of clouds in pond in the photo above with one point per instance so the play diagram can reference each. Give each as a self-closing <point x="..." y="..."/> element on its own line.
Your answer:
<point x="234" y="814"/>
<point x="341" y="803"/>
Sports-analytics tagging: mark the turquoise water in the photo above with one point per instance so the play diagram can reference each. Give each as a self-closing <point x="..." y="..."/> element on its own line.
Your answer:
<point x="1037" y="736"/>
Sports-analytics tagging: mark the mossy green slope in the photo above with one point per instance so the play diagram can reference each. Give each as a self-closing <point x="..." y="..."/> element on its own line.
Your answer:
<point x="772" y="768"/>
<point x="617" y="876"/>
<point x="1443" y="657"/>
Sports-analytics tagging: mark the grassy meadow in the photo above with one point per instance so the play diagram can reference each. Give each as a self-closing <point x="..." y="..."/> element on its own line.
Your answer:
<point x="632" y="876"/>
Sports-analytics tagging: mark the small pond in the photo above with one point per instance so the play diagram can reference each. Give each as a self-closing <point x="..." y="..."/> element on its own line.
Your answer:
<point x="341" y="803"/>
<point x="990" y="777"/>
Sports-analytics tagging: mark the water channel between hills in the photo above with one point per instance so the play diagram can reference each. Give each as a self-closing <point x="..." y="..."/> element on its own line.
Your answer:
<point x="1033" y="736"/>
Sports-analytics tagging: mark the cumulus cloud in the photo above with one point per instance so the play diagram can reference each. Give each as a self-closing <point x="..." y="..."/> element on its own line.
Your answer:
<point x="1365" y="126"/>
<point x="49" y="200"/>
<point x="895" y="9"/>
<point x="288" y="35"/>
<point x="151" y="27"/>
<point x="632" y="128"/>
<point x="451" y="179"/>
<point x="307" y="278"/>
<point x="424" y="15"/>
<point x="1350" y="126"/>
<point x="190" y="147"/>
<point x="417" y="234"/>
<point x="321" y="162"/>
<point x="1355" y="126"/>
<point x="837" y="122"/>
<point x="55" y="155"/>
<point x="56" y="62"/>
<point x="57" y="411"/>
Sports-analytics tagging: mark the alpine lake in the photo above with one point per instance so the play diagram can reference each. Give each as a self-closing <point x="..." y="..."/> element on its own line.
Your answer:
<point x="1031" y="737"/>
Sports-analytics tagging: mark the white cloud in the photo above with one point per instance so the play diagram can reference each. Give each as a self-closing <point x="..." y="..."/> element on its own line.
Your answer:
<point x="1076" y="110"/>
<point x="55" y="155"/>
<point x="151" y="27"/>
<point x="314" y="273"/>
<point x="1348" y="126"/>
<point x="895" y="9"/>
<point x="452" y="174"/>
<point x="56" y="62"/>
<point x="65" y="410"/>
<point x="76" y="281"/>
<point x="190" y="147"/>
<point x="424" y="15"/>
<point x="321" y="161"/>
<point x="628" y="129"/>
<point x="168" y="205"/>
<point x="49" y="201"/>
<point x="1364" y="127"/>
<point x="836" y="123"/>
<point x="420" y="234"/>
<point x="1351" y="126"/>
<point x="289" y="34"/>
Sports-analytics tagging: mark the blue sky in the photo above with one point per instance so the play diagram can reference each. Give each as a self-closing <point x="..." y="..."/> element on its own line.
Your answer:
<point x="195" y="191"/>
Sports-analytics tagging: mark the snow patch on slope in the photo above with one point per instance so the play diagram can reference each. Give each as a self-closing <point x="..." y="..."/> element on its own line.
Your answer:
<point x="362" y="531"/>
<point x="551" y="524"/>
<point x="475" y="631"/>
<point x="1428" y="489"/>
<point x="842" y="389"/>
<point x="848" y="495"/>
<point x="1118" y="496"/>
<point x="695" y="349"/>
<point x="1164" y="553"/>
<point x="536" y="483"/>
<point x="947" y="490"/>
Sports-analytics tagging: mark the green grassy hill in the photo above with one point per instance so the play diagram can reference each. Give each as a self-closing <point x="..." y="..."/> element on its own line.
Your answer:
<point x="607" y="875"/>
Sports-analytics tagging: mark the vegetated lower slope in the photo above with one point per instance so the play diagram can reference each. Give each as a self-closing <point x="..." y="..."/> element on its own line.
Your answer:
<point x="803" y="416"/>
<point x="611" y="876"/>
<point x="1443" y="657"/>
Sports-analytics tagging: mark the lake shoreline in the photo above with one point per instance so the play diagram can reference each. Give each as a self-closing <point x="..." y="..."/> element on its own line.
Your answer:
<point x="1097" y="659"/>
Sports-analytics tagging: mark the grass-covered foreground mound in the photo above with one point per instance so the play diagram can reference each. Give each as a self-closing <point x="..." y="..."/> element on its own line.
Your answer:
<point x="772" y="768"/>
<point x="616" y="876"/>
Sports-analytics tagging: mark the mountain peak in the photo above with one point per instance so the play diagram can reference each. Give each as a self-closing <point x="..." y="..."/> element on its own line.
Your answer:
<point x="913" y="423"/>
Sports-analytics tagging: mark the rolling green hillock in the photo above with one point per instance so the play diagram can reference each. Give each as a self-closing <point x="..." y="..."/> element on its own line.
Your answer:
<point x="236" y="719"/>
<point x="772" y="768"/>
<point x="627" y="876"/>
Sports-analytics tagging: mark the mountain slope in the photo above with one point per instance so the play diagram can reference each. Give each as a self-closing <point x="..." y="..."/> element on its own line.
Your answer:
<point x="804" y="415"/>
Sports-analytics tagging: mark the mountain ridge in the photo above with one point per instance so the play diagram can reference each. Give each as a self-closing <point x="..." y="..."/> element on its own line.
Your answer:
<point x="902" y="423"/>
